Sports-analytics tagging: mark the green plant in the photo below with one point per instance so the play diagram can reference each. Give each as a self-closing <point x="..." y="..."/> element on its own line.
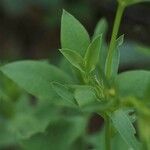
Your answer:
<point x="88" y="82"/>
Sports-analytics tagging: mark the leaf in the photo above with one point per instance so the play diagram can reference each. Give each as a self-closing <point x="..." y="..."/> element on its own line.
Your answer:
<point x="85" y="96"/>
<point x="73" y="34"/>
<point x="27" y="121"/>
<point x="131" y="2"/>
<point x="98" y="142"/>
<point x="101" y="28"/>
<point x="92" y="54"/>
<point x="64" y="93"/>
<point x="35" y="77"/>
<point x="125" y="128"/>
<point x="116" y="57"/>
<point x="74" y="58"/>
<point x="133" y="83"/>
<point x="60" y="135"/>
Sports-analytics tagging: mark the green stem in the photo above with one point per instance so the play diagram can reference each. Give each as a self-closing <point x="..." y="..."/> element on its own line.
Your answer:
<point x="107" y="133"/>
<point x="112" y="45"/>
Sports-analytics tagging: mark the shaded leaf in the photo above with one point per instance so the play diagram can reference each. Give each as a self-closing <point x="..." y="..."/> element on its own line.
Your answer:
<point x="60" y="135"/>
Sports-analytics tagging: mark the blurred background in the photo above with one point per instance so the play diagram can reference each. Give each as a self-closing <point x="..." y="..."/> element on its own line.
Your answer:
<point x="30" y="29"/>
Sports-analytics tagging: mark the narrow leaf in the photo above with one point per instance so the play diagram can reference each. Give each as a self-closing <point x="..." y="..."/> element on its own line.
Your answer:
<point x="74" y="58"/>
<point x="116" y="57"/>
<point x="73" y="35"/>
<point x="125" y="128"/>
<point x="92" y="54"/>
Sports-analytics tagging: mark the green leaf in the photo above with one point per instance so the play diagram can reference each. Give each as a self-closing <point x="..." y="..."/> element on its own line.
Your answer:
<point x="101" y="28"/>
<point x="60" y="135"/>
<point x="131" y="2"/>
<point x="125" y="128"/>
<point x="92" y="54"/>
<point x="74" y="58"/>
<point x="64" y="93"/>
<point x="85" y="96"/>
<point x="35" y="77"/>
<point x="97" y="141"/>
<point x="116" y="57"/>
<point x="73" y="34"/>
<point x="133" y="83"/>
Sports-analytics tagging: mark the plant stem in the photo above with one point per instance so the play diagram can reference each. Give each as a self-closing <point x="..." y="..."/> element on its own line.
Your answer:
<point x="107" y="133"/>
<point x="112" y="45"/>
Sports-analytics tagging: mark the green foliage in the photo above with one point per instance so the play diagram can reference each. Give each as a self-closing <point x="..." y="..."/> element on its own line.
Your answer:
<point x="125" y="128"/>
<point x="92" y="54"/>
<point x="74" y="58"/>
<point x="35" y="77"/>
<point x="56" y="114"/>
<point x="73" y="34"/>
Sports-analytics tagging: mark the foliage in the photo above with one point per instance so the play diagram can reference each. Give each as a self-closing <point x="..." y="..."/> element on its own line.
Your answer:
<point x="56" y="114"/>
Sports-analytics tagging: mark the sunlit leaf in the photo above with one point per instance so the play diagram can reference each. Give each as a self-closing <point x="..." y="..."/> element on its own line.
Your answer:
<point x="92" y="54"/>
<point x="74" y="58"/>
<point x="73" y="34"/>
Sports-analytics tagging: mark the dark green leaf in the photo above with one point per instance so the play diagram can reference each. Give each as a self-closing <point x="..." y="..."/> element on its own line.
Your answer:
<point x="60" y="135"/>
<point x="73" y="34"/>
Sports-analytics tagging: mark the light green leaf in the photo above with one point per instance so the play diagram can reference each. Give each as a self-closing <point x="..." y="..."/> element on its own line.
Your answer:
<point x="35" y="77"/>
<point x="92" y="54"/>
<point x="64" y="93"/>
<point x="73" y="34"/>
<point x="74" y="58"/>
<point x="131" y="2"/>
<point x="133" y="83"/>
<point x="116" y="57"/>
<point x="125" y="128"/>
<point x="85" y="96"/>
<point x="101" y="28"/>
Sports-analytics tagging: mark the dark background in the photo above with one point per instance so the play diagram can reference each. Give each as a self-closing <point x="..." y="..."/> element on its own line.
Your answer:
<point x="30" y="29"/>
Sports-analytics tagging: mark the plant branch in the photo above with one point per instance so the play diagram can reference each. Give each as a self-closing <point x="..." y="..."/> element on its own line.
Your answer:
<point x="112" y="45"/>
<point x="107" y="133"/>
